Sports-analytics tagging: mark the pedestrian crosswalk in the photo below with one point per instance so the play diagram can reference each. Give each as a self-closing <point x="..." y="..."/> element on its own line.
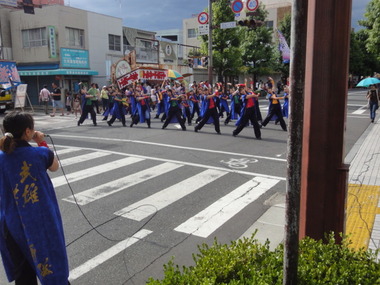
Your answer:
<point x="182" y="180"/>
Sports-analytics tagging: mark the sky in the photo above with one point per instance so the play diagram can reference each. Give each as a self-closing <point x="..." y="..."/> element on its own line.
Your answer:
<point x="155" y="15"/>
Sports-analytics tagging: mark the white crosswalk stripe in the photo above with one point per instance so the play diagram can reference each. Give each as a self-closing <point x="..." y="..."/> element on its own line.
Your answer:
<point x="104" y="256"/>
<point x="160" y="200"/>
<point x="121" y="184"/>
<point x="93" y="171"/>
<point x="210" y="219"/>
<point x="82" y="158"/>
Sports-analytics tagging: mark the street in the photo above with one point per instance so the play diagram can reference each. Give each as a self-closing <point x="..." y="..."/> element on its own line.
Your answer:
<point x="144" y="195"/>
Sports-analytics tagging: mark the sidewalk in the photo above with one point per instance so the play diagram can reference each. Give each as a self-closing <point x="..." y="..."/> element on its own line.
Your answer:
<point x="363" y="198"/>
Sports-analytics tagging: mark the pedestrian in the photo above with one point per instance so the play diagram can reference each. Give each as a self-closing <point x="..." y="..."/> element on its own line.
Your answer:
<point x="57" y="102"/>
<point x="105" y="98"/>
<point x="69" y="100"/>
<point x="45" y="97"/>
<point x="87" y="107"/>
<point x="77" y="105"/>
<point x="32" y="242"/>
<point x="209" y="112"/>
<point x="373" y="100"/>
<point x="274" y="109"/>
<point x="248" y="113"/>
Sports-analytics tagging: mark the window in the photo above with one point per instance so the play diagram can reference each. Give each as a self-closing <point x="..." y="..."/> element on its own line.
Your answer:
<point x="75" y="37"/>
<point x="114" y="42"/>
<point x="34" y="38"/>
<point x="269" y="24"/>
<point x="191" y="33"/>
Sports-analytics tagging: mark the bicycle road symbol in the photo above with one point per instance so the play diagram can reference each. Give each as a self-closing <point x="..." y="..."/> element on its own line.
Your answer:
<point x="239" y="163"/>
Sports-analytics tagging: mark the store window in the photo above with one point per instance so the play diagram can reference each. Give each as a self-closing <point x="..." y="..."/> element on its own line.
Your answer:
<point x="191" y="33"/>
<point x="34" y="38"/>
<point x="75" y="37"/>
<point x="114" y="42"/>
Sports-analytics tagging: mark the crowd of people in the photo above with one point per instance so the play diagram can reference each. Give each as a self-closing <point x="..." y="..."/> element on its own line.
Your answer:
<point x="171" y="103"/>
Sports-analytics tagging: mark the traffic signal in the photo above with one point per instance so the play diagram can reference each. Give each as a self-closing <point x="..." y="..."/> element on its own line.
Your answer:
<point x="250" y="23"/>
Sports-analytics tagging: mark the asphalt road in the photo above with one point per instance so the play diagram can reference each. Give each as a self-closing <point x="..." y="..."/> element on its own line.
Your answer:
<point x="152" y="194"/>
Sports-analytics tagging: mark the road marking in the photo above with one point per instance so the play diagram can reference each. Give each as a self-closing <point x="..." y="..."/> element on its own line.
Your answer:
<point x="360" y="111"/>
<point x="172" y="146"/>
<point x="66" y="150"/>
<point x="189" y="163"/>
<point x="93" y="171"/>
<point x="109" y="253"/>
<point x="148" y="206"/>
<point x="121" y="184"/>
<point x="82" y="158"/>
<point x="207" y="221"/>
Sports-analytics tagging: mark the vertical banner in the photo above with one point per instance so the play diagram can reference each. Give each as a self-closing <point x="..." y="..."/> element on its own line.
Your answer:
<point x="283" y="47"/>
<point x="21" y="96"/>
<point x="52" y="42"/>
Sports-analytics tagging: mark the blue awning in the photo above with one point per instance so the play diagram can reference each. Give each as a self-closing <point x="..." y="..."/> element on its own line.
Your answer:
<point x="57" y="72"/>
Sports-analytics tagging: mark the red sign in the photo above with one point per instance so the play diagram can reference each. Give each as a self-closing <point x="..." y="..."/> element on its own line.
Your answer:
<point x="203" y="18"/>
<point x="237" y="6"/>
<point x="252" y="5"/>
<point x="146" y="74"/>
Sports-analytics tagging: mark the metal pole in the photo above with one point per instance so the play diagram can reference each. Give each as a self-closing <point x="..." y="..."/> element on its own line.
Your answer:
<point x="293" y="187"/>
<point x="210" y="42"/>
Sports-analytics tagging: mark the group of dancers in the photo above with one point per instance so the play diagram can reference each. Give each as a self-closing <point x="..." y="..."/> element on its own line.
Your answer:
<point x="173" y="105"/>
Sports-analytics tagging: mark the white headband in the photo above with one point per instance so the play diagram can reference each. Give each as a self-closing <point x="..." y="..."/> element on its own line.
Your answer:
<point x="9" y="135"/>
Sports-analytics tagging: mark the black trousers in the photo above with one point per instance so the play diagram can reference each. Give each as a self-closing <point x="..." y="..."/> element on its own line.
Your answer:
<point x="174" y="111"/>
<point x="210" y="113"/>
<point x="237" y="109"/>
<point x="88" y="109"/>
<point x="195" y="110"/>
<point x="275" y="109"/>
<point x="120" y="106"/>
<point x="249" y="115"/>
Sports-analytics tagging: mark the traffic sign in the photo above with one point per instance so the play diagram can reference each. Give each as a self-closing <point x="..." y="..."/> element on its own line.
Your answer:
<point x="252" y="5"/>
<point x="203" y="18"/>
<point x="203" y="30"/>
<point x="228" y="25"/>
<point x="237" y="6"/>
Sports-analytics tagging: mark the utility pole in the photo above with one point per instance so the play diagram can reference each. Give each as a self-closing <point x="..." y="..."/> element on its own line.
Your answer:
<point x="293" y="186"/>
<point x="210" y="42"/>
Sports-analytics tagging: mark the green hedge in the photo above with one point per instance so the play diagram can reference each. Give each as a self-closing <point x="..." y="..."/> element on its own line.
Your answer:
<point x="247" y="261"/>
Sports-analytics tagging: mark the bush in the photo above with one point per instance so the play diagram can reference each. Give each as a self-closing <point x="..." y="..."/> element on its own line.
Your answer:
<point x="248" y="262"/>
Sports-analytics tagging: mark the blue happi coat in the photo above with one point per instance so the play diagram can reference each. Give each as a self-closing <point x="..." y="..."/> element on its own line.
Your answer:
<point x="29" y="210"/>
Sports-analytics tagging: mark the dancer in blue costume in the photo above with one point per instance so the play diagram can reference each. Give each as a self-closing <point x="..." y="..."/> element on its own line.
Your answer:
<point x="194" y="104"/>
<point x="143" y="109"/>
<point x="285" y="106"/>
<point x="118" y="110"/>
<point x="235" y="107"/>
<point x="223" y="105"/>
<point x="174" y="114"/>
<point x="209" y="112"/>
<point x="274" y="109"/>
<point x="32" y="242"/>
<point x="111" y="96"/>
<point x="248" y="113"/>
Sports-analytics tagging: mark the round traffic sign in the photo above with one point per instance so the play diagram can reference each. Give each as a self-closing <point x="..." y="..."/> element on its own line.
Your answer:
<point x="203" y="18"/>
<point x="252" y="5"/>
<point x="237" y="6"/>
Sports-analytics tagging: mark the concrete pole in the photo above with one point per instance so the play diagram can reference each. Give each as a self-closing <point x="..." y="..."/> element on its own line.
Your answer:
<point x="324" y="174"/>
<point x="210" y="42"/>
<point x="293" y="187"/>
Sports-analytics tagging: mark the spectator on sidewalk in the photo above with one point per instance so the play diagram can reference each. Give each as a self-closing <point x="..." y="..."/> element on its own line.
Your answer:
<point x="45" y="97"/>
<point x="57" y="102"/>
<point x="373" y="98"/>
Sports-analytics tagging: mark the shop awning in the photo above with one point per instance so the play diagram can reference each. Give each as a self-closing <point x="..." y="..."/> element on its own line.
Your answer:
<point x="57" y="72"/>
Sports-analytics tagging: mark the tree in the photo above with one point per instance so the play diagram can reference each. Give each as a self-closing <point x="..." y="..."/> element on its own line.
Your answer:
<point x="372" y="25"/>
<point x="258" y="53"/>
<point x="226" y="53"/>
